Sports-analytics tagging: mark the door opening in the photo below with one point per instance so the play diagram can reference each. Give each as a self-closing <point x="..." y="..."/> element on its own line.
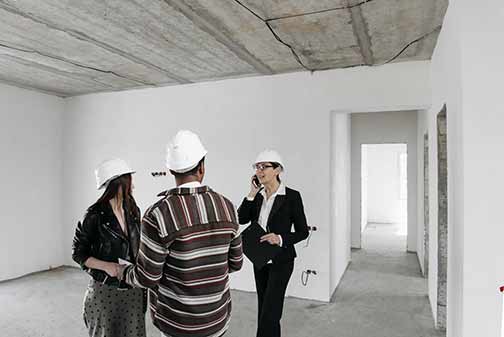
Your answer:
<point x="384" y="195"/>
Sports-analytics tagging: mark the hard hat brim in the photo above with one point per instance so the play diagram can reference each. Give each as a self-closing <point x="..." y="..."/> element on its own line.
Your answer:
<point x="187" y="169"/>
<point x="106" y="182"/>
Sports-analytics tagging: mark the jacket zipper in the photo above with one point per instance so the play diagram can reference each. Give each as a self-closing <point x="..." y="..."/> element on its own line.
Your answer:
<point x="117" y="236"/>
<point x="114" y="234"/>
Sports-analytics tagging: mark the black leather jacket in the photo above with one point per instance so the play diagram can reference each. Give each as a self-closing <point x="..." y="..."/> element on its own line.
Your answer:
<point x="100" y="236"/>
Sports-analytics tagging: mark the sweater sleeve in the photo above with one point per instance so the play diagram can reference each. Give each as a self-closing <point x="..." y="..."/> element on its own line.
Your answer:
<point x="148" y="270"/>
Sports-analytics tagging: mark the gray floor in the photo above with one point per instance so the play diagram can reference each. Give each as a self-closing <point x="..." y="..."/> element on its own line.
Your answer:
<point x="381" y="294"/>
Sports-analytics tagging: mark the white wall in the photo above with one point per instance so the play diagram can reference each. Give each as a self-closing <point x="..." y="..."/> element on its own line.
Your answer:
<point x="340" y="197"/>
<point x="383" y="171"/>
<point x="483" y="160"/>
<point x="380" y="128"/>
<point x="422" y="130"/>
<point x="236" y="119"/>
<point x="466" y="74"/>
<point x="30" y="176"/>
<point x="364" y="188"/>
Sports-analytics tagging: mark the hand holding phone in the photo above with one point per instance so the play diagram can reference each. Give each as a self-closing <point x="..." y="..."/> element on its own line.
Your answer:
<point x="255" y="186"/>
<point x="256" y="181"/>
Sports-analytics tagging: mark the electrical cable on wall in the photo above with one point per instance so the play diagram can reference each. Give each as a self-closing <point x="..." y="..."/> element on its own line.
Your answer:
<point x="305" y="275"/>
<point x="311" y="229"/>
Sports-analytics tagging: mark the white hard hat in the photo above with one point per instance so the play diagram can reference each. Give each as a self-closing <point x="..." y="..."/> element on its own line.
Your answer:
<point x="269" y="156"/>
<point x="109" y="170"/>
<point x="184" y="152"/>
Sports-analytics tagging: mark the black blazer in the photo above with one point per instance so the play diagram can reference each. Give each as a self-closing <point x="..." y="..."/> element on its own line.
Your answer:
<point x="287" y="210"/>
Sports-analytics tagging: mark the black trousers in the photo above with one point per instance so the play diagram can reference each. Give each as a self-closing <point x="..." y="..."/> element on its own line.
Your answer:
<point x="271" y="283"/>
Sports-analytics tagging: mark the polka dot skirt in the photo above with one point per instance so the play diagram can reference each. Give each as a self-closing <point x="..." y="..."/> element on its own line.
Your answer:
<point x="109" y="312"/>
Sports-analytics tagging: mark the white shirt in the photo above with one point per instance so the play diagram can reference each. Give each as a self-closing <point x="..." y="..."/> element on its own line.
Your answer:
<point x="266" y="206"/>
<point x="191" y="184"/>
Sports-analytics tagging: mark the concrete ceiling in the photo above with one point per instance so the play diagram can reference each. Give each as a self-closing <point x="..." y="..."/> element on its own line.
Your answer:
<point x="74" y="47"/>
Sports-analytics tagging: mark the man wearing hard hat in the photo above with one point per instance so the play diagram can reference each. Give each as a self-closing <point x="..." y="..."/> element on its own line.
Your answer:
<point x="189" y="245"/>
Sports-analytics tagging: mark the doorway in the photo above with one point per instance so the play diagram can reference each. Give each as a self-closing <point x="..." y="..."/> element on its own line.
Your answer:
<point x="384" y="196"/>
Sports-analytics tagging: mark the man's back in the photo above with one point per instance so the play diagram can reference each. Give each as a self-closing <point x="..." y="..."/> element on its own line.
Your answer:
<point x="189" y="244"/>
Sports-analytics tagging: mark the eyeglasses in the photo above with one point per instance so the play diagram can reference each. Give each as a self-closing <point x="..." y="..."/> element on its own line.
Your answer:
<point x="261" y="167"/>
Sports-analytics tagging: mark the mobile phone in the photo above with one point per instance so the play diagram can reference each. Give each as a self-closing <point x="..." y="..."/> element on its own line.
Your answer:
<point x="256" y="181"/>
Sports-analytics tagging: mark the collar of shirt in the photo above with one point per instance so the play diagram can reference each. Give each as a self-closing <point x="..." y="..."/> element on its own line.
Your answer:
<point x="191" y="184"/>
<point x="185" y="189"/>
<point x="279" y="191"/>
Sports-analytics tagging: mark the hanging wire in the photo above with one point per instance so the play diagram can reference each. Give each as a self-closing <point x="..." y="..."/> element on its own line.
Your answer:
<point x="304" y="280"/>
<point x="305" y="275"/>
<point x="308" y="239"/>
<point x="311" y="229"/>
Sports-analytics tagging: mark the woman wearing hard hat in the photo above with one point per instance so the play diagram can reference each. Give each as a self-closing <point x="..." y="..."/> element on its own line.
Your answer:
<point x="277" y="209"/>
<point x="109" y="233"/>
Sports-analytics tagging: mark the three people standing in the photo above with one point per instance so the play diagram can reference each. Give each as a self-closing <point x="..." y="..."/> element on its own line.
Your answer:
<point x="183" y="251"/>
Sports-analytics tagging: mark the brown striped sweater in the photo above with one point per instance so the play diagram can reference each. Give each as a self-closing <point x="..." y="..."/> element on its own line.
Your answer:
<point x="189" y="244"/>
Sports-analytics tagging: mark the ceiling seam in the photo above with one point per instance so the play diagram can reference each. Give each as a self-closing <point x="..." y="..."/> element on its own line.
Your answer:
<point x="320" y="11"/>
<point x="437" y="29"/>
<point x="361" y="31"/>
<point x="236" y="48"/>
<point x="293" y="51"/>
<point x="32" y="88"/>
<point x="84" y="37"/>
<point x="2" y="44"/>
<point x="393" y="58"/>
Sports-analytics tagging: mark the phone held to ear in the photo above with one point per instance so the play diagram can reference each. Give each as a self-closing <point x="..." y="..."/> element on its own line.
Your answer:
<point x="256" y="181"/>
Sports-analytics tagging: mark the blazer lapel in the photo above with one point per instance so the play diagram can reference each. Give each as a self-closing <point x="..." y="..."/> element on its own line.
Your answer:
<point x="259" y="202"/>
<point x="279" y="200"/>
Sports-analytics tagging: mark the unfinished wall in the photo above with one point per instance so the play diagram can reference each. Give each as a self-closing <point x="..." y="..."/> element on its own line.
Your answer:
<point x="380" y="128"/>
<point x="442" y="253"/>
<point x="236" y="119"/>
<point x="31" y="180"/>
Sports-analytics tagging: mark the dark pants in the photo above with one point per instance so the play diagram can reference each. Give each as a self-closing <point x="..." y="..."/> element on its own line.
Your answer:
<point x="271" y="283"/>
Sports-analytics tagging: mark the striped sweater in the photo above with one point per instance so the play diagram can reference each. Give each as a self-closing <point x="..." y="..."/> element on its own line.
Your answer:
<point x="189" y="244"/>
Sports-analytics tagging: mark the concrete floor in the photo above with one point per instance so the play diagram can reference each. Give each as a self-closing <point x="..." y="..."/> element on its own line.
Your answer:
<point x="381" y="294"/>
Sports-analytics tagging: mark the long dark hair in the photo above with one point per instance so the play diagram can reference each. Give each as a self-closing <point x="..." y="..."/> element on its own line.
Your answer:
<point x="123" y="182"/>
<point x="275" y="165"/>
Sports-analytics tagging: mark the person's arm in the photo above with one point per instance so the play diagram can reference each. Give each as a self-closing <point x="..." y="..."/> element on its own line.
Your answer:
<point x="245" y="211"/>
<point x="111" y="268"/>
<point x="299" y="219"/>
<point x="235" y="254"/>
<point x="247" y="208"/>
<point x="85" y="236"/>
<point x="148" y="270"/>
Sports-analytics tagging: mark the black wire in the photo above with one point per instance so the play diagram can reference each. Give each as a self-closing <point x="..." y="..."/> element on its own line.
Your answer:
<point x="411" y="43"/>
<point x="308" y="239"/>
<point x="319" y="11"/>
<point x="303" y="281"/>
<point x="266" y="22"/>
